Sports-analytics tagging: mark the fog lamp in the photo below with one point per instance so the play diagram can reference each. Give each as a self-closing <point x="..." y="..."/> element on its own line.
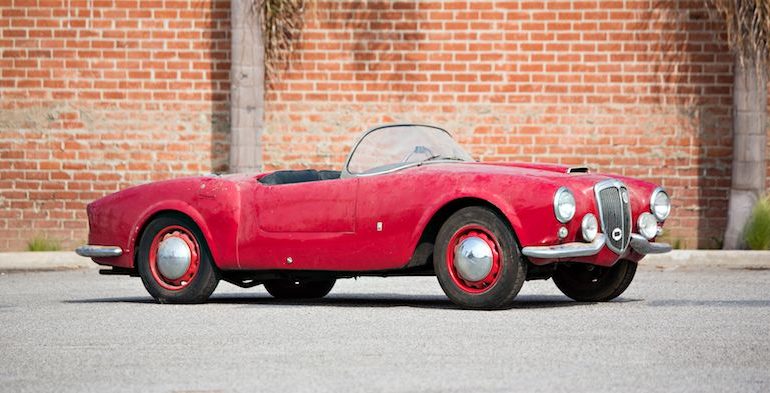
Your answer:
<point x="590" y="227"/>
<point x="648" y="225"/>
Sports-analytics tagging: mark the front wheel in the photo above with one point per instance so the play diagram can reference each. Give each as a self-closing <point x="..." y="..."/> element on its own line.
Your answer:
<point x="477" y="261"/>
<point x="590" y="283"/>
<point x="306" y="289"/>
<point x="174" y="261"/>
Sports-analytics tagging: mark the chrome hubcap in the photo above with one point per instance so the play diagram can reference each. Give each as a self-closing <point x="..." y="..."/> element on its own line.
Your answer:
<point x="174" y="258"/>
<point x="473" y="259"/>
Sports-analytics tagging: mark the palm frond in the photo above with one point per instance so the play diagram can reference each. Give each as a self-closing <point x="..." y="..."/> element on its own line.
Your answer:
<point x="748" y="27"/>
<point x="281" y="22"/>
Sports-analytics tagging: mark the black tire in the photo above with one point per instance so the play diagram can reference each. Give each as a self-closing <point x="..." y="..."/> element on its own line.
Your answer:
<point x="589" y="283"/>
<point x="511" y="269"/>
<point x="305" y="289"/>
<point x="204" y="278"/>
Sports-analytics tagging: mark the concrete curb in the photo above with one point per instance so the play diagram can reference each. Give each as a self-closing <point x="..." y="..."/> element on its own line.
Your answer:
<point x="710" y="259"/>
<point x="66" y="260"/>
<point x="44" y="261"/>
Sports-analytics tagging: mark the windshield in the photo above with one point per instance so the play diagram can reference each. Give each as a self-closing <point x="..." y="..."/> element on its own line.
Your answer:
<point x="392" y="147"/>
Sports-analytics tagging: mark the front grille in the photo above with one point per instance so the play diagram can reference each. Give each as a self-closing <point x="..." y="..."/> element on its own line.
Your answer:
<point x="615" y="214"/>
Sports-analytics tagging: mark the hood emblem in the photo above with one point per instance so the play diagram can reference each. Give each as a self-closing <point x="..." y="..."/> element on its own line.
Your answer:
<point x="617" y="233"/>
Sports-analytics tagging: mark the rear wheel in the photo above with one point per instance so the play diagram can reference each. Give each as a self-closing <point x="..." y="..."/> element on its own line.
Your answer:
<point x="305" y="289"/>
<point x="174" y="261"/>
<point x="590" y="283"/>
<point x="477" y="261"/>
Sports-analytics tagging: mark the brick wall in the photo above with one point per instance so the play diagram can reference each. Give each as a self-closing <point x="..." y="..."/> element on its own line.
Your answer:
<point x="97" y="95"/>
<point x="640" y="88"/>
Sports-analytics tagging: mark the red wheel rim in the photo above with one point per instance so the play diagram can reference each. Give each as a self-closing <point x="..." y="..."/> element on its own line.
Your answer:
<point x="185" y="235"/>
<point x="491" y="278"/>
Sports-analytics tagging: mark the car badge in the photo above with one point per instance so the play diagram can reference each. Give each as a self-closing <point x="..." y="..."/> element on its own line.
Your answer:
<point x="617" y="233"/>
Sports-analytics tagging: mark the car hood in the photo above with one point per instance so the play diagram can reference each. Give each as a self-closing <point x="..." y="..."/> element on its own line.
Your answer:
<point x="541" y="167"/>
<point x="556" y="175"/>
<point x="545" y="172"/>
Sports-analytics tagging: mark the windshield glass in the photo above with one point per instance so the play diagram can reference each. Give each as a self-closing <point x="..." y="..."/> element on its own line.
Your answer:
<point x="391" y="147"/>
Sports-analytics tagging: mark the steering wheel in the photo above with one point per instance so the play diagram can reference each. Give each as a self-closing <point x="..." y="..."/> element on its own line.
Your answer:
<point x="419" y="149"/>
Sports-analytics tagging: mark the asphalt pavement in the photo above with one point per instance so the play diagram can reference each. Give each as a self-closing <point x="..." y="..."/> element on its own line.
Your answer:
<point x="675" y="330"/>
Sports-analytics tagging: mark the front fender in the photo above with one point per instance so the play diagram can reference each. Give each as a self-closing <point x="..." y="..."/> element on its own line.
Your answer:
<point x="464" y="199"/>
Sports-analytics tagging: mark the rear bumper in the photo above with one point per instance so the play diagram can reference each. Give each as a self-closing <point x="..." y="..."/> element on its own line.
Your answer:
<point x="92" y="251"/>
<point x="639" y="244"/>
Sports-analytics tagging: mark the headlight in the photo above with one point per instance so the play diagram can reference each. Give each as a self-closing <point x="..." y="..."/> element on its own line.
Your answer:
<point x="564" y="204"/>
<point x="660" y="204"/>
<point x="648" y="225"/>
<point x="590" y="227"/>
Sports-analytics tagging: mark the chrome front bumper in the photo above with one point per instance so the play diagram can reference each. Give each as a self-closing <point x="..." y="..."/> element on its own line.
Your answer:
<point x="579" y="249"/>
<point x="644" y="247"/>
<point x="92" y="251"/>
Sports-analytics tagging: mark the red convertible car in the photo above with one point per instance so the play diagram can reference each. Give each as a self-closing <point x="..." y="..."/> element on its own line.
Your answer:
<point x="408" y="201"/>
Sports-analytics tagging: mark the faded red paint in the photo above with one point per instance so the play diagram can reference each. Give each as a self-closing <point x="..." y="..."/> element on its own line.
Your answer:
<point x="252" y="226"/>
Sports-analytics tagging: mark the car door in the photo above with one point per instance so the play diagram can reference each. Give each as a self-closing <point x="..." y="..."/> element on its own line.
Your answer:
<point x="326" y="206"/>
<point x="390" y="208"/>
<point x="305" y="226"/>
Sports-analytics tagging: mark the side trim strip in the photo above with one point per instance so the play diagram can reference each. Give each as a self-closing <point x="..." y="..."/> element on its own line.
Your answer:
<point x="92" y="251"/>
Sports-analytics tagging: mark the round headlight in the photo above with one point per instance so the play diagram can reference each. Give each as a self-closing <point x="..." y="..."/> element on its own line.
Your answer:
<point x="660" y="204"/>
<point x="648" y="225"/>
<point x="590" y="227"/>
<point x="564" y="204"/>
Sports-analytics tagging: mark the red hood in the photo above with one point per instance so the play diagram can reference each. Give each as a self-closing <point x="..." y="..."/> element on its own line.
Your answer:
<point x="531" y="165"/>
<point x="576" y="170"/>
<point x="556" y="175"/>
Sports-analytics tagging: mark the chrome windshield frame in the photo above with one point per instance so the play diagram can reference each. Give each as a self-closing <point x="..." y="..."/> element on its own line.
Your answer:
<point x="346" y="173"/>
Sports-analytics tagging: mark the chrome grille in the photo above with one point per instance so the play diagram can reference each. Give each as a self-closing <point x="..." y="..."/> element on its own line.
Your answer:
<point x="614" y="213"/>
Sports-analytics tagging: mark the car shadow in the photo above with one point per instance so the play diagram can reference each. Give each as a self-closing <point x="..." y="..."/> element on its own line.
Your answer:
<point x="363" y="300"/>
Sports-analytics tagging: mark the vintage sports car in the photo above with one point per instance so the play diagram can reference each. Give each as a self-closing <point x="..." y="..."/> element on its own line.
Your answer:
<point x="409" y="201"/>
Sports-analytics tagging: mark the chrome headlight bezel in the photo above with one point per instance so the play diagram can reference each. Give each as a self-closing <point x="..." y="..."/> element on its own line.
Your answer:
<point x="660" y="215"/>
<point x="647" y="225"/>
<point x="589" y="227"/>
<point x="558" y="202"/>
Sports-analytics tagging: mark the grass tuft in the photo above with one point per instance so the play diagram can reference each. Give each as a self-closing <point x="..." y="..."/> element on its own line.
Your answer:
<point x="41" y="243"/>
<point x="757" y="233"/>
<point x="675" y="242"/>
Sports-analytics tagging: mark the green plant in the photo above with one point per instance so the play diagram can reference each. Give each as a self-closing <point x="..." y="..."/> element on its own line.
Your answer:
<point x="757" y="234"/>
<point x="42" y="243"/>
<point x="675" y="242"/>
<point x="747" y="23"/>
